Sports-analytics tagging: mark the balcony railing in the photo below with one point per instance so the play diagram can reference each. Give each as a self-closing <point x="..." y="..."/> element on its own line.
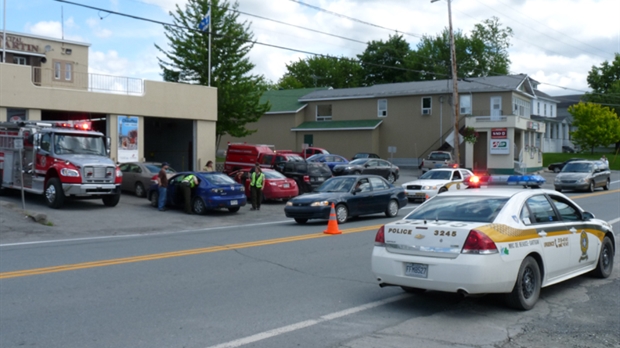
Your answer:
<point x="89" y="82"/>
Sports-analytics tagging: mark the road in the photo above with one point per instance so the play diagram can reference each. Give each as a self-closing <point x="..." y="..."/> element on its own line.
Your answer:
<point x="133" y="277"/>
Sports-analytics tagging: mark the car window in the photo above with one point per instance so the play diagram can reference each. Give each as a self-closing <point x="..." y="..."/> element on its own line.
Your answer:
<point x="525" y="215"/>
<point x="267" y="159"/>
<point x="541" y="210"/>
<point x="337" y="185"/>
<point x="319" y="169"/>
<point x="363" y="185"/>
<point x="372" y="163"/>
<point x="439" y="157"/>
<point x="466" y="175"/>
<point x="568" y="212"/>
<point x="576" y="167"/>
<point x="338" y="159"/>
<point x="456" y="175"/>
<point x="269" y="174"/>
<point x="437" y="175"/>
<point x="289" y="167"/>
<point x="153" y="168"/>
<point x="134" y="168"/>
<point x="378" y="184"/>
<point x="124" y="167"/>
<point x="359" y="161"/>
<point x="459" y="208"/>
<point x="219" y="179"/>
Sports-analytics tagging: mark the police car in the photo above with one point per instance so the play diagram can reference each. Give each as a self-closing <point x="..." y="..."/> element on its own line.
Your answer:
<point x="495" y="240"/>
<point x="437" y="181"/>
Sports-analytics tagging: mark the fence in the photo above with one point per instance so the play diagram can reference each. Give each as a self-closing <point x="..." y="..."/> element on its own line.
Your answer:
<point x="87" y="81"/>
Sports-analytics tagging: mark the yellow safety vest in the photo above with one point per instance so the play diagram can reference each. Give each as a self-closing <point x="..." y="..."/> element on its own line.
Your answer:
<point x="190" y="179"/>
<point x="258" y="182"/>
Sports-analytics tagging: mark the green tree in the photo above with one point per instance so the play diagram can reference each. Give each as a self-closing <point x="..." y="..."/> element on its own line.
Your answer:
<point x="387" y="62"/>
<point x="321" y="72"/>
<point x="605" y="84"/>
<point x="489" y="46"/>
<point x="239" y="91"/>
<point x="596" y="125"/>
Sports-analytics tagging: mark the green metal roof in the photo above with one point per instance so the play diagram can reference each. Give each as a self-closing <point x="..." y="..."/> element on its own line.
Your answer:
<point x="286" y="100"/>
<point x="338" y="125"/>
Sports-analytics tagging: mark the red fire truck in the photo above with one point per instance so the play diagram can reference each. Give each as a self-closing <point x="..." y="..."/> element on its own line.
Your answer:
<point x="60" y="160"/>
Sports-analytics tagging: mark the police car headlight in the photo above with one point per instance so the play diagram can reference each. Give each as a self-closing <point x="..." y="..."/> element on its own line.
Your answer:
<point x="429" y="187"/>
<point x="69" y="172"/>
<point x="320" y="204"/>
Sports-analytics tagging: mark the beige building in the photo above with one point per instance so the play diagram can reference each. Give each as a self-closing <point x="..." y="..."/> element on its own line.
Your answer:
<point x="48" y="79"/>
<point x="405" y="121"/>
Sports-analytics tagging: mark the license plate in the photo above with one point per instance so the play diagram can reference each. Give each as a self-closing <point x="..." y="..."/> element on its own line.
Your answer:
<point x="418" y="270"/>
<point x="287" y="185"/>
<point x="320" y="179"/>
<point x="420" y="194"/>
<point x="234" y="202"/>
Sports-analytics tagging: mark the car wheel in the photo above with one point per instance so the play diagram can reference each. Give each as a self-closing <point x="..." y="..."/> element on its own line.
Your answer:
<point x="392" y="208"/>
<point x="54" y="195"/>
<point x="139" y="189"/>
<point x="391" y="178"/>
<point x="605" y="260"/>
<point x="111" y="200"/>
<point x="198" y="206"/>
<point x="154" y="199"/>
<point x="301" y="221"/>
<point x="526" y="291"/>
<point x="342" y="213"/>
<point x="556" y="170"/>
<point x="591" y="186"/>
<point x="357" y="172"/>
<point x="233" y="209"/>
<point x="413" y="290"/>
<point x="442" y="190"/>
<point x="606" y="187"/>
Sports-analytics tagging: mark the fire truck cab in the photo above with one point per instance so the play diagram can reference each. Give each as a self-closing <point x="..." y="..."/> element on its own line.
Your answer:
<point x="58" y="159"/>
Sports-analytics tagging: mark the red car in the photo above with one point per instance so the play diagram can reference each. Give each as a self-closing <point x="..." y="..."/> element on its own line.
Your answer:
<point x="277" y="186"/>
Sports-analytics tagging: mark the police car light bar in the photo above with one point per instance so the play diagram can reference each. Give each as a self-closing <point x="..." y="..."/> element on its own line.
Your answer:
<point x="533" y="180"/>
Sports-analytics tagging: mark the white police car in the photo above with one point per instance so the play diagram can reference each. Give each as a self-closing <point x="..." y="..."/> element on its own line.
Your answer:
<point x="495" y="240"/>
<point x="437" y="181"/>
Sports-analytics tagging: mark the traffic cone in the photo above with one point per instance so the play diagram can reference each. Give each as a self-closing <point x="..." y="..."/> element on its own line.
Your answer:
<point x="332" y="224"/>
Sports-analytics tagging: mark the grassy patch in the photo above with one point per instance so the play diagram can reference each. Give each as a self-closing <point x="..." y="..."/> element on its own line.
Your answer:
<point x="614" y="161"/>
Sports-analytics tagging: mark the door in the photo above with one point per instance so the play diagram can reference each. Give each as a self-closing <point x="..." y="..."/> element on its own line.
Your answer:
<point x="361" y="202"/>
<point x="496" y="107"/>
<point x="381" y="193"/>
<point x="456" y="181"/>
<point x="309" y="139"/>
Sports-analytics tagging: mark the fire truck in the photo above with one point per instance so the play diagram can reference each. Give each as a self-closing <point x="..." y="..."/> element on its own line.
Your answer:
<point x="59" y="160"/>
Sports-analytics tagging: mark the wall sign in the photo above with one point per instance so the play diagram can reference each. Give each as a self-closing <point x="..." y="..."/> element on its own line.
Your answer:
<point x="127" y="139"/>
<point x="499" y="133"/>
<point x="499" y="146"/>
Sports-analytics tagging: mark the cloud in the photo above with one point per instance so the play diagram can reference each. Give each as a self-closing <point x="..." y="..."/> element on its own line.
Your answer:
<point x="98" y="31"/>
<point x="54" y="29"/>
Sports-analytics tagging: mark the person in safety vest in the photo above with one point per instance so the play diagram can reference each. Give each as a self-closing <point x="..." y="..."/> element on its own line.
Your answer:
<point x="187" y="184"/>
<point x="257" y="182"/>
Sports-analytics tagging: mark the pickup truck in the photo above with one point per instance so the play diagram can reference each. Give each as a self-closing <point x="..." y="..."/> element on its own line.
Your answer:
<point x="438" y="159"/>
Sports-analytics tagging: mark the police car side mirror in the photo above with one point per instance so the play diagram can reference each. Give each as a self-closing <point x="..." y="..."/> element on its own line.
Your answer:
<point x="36" y="141"/>
<point x="587" y="216"/>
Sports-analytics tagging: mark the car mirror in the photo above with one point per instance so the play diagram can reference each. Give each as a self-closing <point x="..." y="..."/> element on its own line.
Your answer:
<point x="587" y="216"/>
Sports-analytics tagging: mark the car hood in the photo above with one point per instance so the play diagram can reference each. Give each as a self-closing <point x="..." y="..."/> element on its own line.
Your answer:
<point x="430" y="182"/>
<point x="86" y="160"/>
<point x="317" y="197"/>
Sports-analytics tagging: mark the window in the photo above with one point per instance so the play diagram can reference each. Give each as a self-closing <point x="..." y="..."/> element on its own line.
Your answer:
<point x="541" y="210"/>
<point x="456" y="175"/>
<point x="57" y="70"/>
<point x="465" y="104"/>
<point x="567" y="211"/>
<point x="46" y="140"/>
<point x="545" y="109"/>
<point x="426" y="105"/>
<point x="20" y="60"/>
<point x="63" y="70"/>
<point x="382" y="108"/>
<point x="324" y="112"/>
<point x="521" y="107"/>
<point x="68" y="67"/>
<point x="551" y="110"/>
<point x="378" y="184"/>
<point x="538" y="111"/>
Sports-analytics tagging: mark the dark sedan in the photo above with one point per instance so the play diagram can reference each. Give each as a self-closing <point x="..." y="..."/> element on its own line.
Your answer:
<point x="557" y="167"/>
<point x="352" y="195"/>
<point x="215" y="190"/>
<point x="369" y="166"/>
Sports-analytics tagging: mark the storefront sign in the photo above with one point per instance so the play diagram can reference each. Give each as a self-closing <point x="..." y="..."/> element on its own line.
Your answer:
<point x="499" y="133"/>
<point x="127" y="139"/>
<point x="16" y="43"/>
<point x="532" y="125"/>
<point x="499" y="146"/>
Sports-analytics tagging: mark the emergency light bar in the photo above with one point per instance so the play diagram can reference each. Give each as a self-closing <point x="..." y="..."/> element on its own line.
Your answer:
<point x="79" y="125"/>
<point x="534" y="180"/>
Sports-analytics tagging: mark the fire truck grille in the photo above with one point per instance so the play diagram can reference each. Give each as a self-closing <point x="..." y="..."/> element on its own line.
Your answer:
<point x="97" y="175"/>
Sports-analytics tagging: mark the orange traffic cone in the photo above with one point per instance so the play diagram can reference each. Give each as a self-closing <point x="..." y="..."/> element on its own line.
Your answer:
<point x="332" y="224"/>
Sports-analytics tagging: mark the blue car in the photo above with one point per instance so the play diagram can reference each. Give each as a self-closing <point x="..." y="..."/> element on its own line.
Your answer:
<point x="214" y="191"/>
<point x="330" y="160"/>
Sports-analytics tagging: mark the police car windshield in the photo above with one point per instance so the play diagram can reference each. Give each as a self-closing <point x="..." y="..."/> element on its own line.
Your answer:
<point x="461" y="208"/>
<point x="65" y="144"/>
<point x="437" y="175"/>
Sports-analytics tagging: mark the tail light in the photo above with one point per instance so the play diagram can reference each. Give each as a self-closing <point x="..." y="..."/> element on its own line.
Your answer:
<point x="307" y="179"/>
<point x="479" y="243"/>
<point x="154" y="179"/>
<point x="380" y="237"/>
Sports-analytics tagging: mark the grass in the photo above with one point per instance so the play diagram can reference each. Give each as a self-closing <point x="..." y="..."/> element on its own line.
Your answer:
<point x="614" y="159"/>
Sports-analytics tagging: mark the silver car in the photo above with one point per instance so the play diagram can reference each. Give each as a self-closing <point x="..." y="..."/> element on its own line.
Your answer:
<point x="583" y="175"/>
<point x="137" y="176"/>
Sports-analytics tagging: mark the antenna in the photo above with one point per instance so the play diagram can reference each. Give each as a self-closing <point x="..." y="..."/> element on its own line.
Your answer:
<point x="62" y="22"/>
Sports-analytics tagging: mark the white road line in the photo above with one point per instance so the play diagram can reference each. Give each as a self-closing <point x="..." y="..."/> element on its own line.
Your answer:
<point x="307" y="323"/>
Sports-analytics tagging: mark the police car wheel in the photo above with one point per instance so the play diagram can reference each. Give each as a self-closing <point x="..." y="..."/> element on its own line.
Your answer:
<point x="605" y="260"/>
<point x="526" y="291"/>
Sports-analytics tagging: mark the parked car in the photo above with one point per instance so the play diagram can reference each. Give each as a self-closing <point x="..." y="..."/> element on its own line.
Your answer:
<point x="583" y="175"/>
<point x="352" y="195"/>
<point x="138" y="176"/>
<point x="505" y="241"/>
<point x="308" y="176"/>
<point x="437" y="181"/>
<point x="369" y="166"/>
<point x="276" y="186"/>
<point x="557" y="167"/>
<point x="214" y="191"/>
<point x="330" y="160"/>
<point x="364" y="155"/>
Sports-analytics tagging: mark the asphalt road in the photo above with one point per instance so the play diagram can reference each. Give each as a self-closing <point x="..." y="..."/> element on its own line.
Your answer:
<point x="133" y="277"/>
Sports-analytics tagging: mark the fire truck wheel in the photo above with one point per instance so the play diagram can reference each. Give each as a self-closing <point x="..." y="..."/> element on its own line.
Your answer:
<point x="111" y="200"/>
<point x="54" y="196"/>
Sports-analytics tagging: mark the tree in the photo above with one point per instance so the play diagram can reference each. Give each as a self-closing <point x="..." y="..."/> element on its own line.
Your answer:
<point x="490" y="43"/>
<point x="321" y="72"/>
<point x="605" y="84"/>
<point x="596" y="125"/>
<point x="387" y="62"/>
<point x="187" y="62"/>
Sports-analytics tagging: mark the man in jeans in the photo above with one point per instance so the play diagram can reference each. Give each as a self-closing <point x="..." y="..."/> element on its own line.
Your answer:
<point x="162" y="183"/>
<point x="189" y="182"/>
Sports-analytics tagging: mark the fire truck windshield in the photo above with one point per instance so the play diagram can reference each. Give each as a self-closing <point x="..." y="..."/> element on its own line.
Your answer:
<point x="65" y="144"/>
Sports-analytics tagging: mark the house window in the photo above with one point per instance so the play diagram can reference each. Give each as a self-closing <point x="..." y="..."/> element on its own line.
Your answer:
<point x="57" y="66"/>
<point x="551" y="110"/>
<point x="63" y="70"/>
<point x="465" y="104"/>
<point x="20" y="60"/>
<point x="521" y="107"/>
<point x="382" y="108"/>
<point x="545" y="108"/>
<point x="324" y="112"/>
<point x="68" y="67"/>
<point x="538" y="111"/>
<point x="426" y="105"/>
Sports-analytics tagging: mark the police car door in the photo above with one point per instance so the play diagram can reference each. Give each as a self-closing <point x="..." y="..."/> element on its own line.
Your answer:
<point x="539" y="214"/>
<point x="456" y="181"/>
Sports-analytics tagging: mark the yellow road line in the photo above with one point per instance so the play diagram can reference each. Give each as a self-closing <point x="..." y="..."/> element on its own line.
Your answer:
<point x="151" y="257"/>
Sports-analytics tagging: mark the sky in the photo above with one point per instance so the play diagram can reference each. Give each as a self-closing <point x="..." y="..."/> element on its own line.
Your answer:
<point x="556" y="42"/>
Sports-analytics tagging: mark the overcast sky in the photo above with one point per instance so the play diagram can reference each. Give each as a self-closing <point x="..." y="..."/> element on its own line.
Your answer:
<point x="555" y="41"/>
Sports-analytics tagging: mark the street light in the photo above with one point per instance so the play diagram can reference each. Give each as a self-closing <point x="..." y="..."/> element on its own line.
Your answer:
<point x="455" y="91"/>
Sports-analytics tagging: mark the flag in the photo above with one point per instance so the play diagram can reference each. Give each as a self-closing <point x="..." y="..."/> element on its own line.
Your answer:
<point x="204" y="23"/>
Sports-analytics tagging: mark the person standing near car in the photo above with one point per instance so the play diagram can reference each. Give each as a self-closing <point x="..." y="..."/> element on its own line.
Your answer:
<point x="162" y="185"/>
<point x="257" y="180"/>
<point x="604" y="160"/>
<point x="187" y="184"/>
<point x="208" y="167"/>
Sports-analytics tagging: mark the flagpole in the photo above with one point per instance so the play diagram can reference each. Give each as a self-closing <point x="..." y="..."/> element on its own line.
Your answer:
<point x="210" y="15"/>
<point x="4" y="33"/>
